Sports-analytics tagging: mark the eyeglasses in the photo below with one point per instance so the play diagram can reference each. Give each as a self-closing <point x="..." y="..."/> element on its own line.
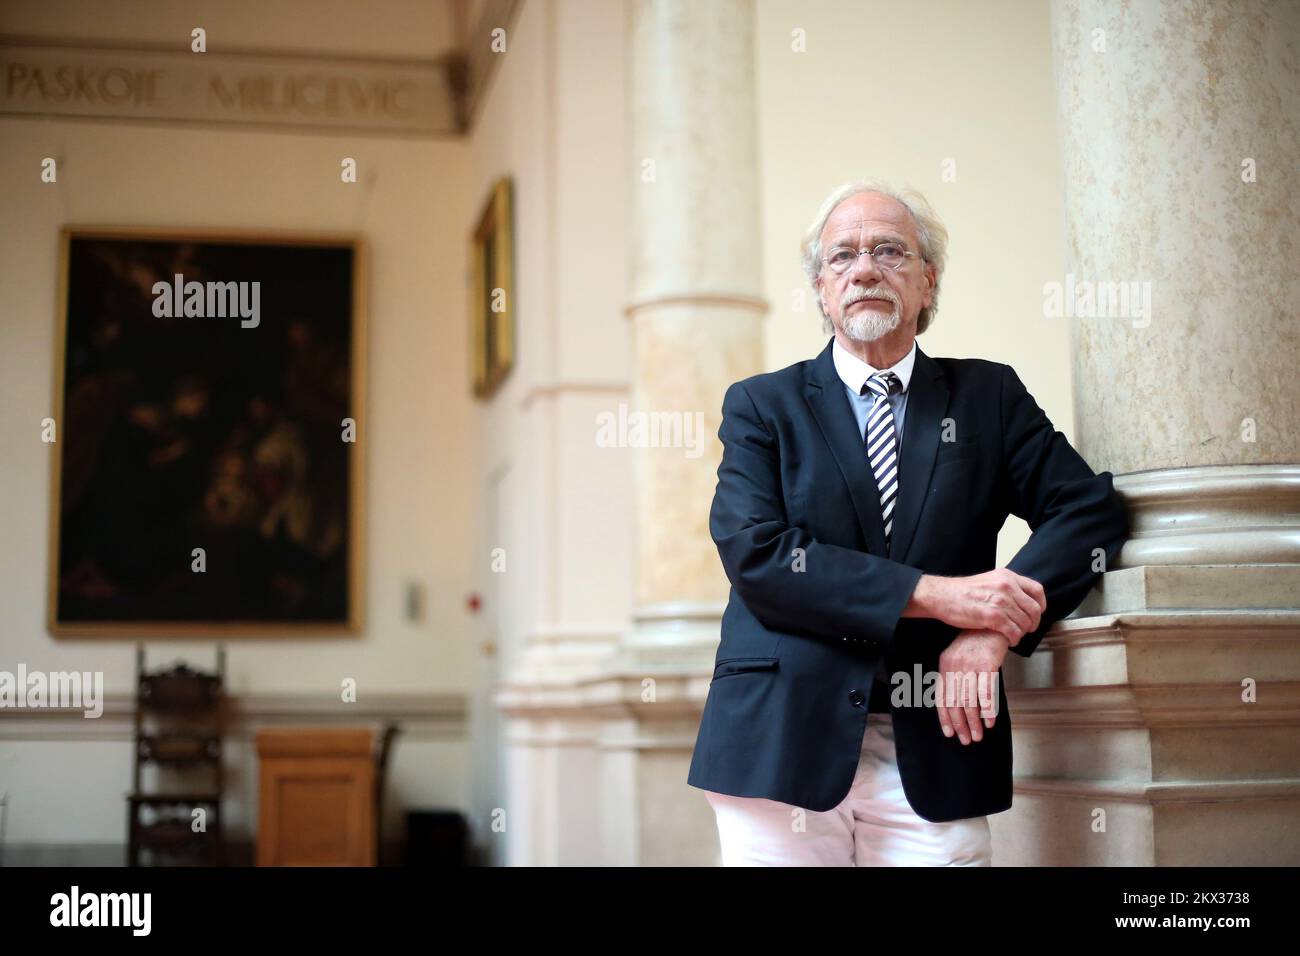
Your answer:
<point x="888" y="255"/>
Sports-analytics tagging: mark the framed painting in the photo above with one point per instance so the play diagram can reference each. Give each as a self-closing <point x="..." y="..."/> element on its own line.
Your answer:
<point x="492" y="293"/>
<point x="209" y="409"/>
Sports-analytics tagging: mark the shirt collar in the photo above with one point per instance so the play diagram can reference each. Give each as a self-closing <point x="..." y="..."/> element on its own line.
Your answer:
<point x="854" y="372"/>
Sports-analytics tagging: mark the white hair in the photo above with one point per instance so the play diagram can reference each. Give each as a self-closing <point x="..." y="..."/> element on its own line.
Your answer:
<point x="930" y="233"/>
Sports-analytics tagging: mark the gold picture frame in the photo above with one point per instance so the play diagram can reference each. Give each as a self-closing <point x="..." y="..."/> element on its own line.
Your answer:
<point x="492" y="292"/>
<point x="348" y="335"/>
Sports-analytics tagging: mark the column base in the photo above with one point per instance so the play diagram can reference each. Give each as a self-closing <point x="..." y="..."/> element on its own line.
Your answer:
<point x="1216" y="514"/>
<point x="599" y="757"/>
<point x="1155" y="735"/>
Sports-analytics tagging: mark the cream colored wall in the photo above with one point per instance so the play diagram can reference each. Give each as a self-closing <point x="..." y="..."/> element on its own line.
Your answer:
<point x="420" y="443"/>
<point x="924" y="83"/>
<point x="554" y="119"/>
<point x="559" y="505"/>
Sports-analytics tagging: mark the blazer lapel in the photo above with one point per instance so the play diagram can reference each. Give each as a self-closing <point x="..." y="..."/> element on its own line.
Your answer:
<point x="927" y="403"/>
<point x="830" y="406"/>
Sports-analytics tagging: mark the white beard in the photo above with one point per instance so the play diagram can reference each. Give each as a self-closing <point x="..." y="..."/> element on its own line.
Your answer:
<point x="867" y="325"/>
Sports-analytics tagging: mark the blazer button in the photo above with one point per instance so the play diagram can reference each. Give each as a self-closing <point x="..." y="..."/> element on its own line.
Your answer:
<point x="856" y="698"/>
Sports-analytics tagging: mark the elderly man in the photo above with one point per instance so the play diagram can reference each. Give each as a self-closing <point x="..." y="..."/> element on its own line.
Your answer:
<point x="855" y="715"/>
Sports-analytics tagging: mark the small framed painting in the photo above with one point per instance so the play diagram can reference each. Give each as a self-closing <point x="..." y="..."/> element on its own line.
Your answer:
<point x="492" y="295"/>
<point x="209" y="409"/>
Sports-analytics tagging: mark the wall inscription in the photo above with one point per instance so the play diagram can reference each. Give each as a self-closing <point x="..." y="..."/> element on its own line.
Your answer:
<point x="325" y="94"/>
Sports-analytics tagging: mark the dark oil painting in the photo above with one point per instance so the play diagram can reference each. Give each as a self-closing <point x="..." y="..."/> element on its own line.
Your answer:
<point x="185" y="429"/>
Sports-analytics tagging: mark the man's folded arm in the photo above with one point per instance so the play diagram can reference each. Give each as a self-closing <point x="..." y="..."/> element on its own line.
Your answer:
<point x="787" y="579"/>
<point x="1075" y="515"/>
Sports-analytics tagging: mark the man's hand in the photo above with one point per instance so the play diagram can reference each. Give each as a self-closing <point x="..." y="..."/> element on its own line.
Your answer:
<point x="968" y="671"/>
<point x="1001" y="601"/>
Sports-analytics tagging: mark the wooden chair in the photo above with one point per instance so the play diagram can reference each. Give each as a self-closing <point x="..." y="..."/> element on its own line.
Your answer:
<point x="179" y="719"/>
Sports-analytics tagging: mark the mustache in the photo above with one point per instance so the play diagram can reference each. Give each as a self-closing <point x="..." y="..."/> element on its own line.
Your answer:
<point x="874" y="292"/>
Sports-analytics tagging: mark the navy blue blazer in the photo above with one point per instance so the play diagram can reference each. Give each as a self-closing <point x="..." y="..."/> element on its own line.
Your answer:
<point x="816" y="600"/>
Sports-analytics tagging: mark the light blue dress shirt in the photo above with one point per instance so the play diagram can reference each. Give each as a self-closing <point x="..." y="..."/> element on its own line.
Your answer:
<point x="854" y="373"/>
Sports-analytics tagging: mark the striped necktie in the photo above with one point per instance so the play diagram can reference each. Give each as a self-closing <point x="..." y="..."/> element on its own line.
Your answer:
<point x="882" y="443"/>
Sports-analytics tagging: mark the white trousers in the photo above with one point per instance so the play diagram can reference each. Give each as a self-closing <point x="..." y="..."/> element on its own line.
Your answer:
<point x="872" y="826"/>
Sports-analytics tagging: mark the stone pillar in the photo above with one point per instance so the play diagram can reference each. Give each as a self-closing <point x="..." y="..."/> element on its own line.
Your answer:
<point x="601" y="740"/>
<point x="1167" y="706"/>
<point x="696" y="306"/>
<point x="695" y="298"/>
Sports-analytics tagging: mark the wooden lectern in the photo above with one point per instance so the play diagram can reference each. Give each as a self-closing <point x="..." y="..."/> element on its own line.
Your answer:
<point x="317" y="804"/>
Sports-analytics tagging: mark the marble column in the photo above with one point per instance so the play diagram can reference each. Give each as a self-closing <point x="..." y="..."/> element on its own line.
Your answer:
<point x="601" y="745"/>
<point x="695" y="298"/>
<point x="696" y="307"/>
<point x="1161" y="724"/>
